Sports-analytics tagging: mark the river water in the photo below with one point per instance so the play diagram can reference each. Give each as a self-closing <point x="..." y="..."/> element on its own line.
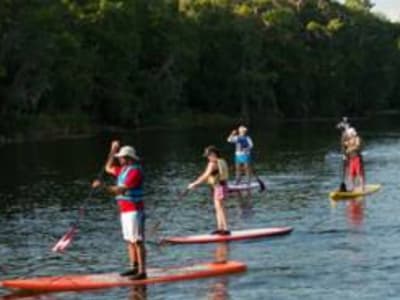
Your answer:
<point x="347" y="251"/>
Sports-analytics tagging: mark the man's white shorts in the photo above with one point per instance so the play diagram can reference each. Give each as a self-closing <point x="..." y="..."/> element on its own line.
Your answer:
<point x="133" y="226"/>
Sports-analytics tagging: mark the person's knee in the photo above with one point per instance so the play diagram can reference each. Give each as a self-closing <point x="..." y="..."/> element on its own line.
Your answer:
<point x="218" y="202"/>
<point x="136" y="243"/>
<point x="139" y="243"/>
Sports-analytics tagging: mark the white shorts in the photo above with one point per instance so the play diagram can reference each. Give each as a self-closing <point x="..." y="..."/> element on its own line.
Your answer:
<point x="133" y="226"/>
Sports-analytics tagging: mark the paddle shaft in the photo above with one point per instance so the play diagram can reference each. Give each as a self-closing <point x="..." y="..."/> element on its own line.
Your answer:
<point x="344" y="165"/>
<point x="99" y="177"/>
<point x="82" y="208"/>
<point x="260" y="182"/>
<point x="66" y="239"/>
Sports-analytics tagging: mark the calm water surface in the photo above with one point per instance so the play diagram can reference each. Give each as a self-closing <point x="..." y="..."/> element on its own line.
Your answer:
<point x="350" y="251"/>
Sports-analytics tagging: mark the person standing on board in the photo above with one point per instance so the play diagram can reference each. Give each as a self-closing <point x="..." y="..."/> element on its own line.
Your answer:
<point x="128" y="192"/>
<point x="216" y="174"/>
<point x="243" y="145"/>
<point x="353" y="145"/>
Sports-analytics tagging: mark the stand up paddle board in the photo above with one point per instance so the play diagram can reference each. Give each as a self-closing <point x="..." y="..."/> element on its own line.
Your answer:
<point x="111" y="280"/>
<point x="234" y="236"/>
<point x="369" y="189"/>
<point x="232" y="187"/>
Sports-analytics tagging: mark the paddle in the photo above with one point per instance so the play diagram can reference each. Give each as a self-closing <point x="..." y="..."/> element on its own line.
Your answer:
<point x="183" y="194"/>
<point x="66" y="239"/>
<point x="260" y="182"/>
<point x="343" y="187"/>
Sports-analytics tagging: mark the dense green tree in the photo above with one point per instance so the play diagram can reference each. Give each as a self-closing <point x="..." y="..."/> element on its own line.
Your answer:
<point x="363" y="5"/>
<point x="135" y="63"/>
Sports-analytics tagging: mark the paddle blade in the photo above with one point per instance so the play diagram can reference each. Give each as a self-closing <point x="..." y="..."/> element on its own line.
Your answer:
<point x="65" y="240"/>
<point x="343" y="187"/>
<point x="183" y="194"/>
<point x="262" y="185"/>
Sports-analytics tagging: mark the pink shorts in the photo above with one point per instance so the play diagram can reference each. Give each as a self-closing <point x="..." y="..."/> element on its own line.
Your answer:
<point x="220" y="192"/>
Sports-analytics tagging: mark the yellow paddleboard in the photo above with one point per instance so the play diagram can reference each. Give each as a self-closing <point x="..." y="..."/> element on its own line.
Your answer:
<point x="369" y="189"/>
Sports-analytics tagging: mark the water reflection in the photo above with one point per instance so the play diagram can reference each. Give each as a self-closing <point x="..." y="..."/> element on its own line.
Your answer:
<point x="219" y="289"/>
<point x="138" y="292"/>
<point x="355" y="212"/>
<point x="245" y="206"/>
<point x="28" y="296"/>
<point x="41" y="192"/>
<point x="221" y="253"/>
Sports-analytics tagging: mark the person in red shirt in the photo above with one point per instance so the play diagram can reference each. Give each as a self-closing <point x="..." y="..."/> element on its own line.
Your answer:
<point x="128" y="192"/>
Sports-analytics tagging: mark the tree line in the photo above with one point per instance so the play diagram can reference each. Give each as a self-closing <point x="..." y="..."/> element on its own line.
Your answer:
<point x="140" y="62"/>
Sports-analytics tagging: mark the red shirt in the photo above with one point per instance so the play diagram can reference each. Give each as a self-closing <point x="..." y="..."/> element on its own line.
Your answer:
<point x="133" y="179"/>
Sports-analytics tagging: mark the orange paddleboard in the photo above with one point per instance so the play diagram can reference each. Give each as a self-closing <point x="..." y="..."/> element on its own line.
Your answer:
<point x="110" y="280"/>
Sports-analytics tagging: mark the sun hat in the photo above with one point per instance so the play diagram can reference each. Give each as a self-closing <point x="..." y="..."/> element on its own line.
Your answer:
<point x="127" y="151"/>
<point x="351" y="131"/>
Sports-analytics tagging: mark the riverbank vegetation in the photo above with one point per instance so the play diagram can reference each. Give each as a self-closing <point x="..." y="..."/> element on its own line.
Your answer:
<point x="131" y="63"/>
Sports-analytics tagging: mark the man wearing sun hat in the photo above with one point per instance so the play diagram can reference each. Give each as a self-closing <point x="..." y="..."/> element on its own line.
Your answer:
<point x="123" y="163"/>
<point x="353" y="149"/>
<point x="243" y="145"/>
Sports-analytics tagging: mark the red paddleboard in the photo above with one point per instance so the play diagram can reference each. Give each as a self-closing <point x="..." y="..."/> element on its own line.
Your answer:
<point x="110" y="280"/>
<point x="234" y="236"/>
<point x="232" y="187"/>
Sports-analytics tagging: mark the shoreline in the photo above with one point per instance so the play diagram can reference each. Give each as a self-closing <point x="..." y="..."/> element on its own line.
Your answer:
<point x="87" y="129"/>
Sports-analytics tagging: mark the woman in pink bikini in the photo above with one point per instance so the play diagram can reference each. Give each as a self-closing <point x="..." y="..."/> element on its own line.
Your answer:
<point x="216" y="174"/>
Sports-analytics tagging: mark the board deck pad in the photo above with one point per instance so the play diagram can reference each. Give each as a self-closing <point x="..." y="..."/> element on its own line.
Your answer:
<point x="110" y="280"/>
<point x="234" y="236"/>
<point x="232" y="187"/>
<point x="369" y="189"/>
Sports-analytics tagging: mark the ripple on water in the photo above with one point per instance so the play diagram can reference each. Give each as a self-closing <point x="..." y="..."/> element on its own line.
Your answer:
<point x="340" y="252"/>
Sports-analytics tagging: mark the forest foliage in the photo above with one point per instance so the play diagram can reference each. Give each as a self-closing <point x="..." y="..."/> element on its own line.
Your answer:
<point x="138" y="62"/>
